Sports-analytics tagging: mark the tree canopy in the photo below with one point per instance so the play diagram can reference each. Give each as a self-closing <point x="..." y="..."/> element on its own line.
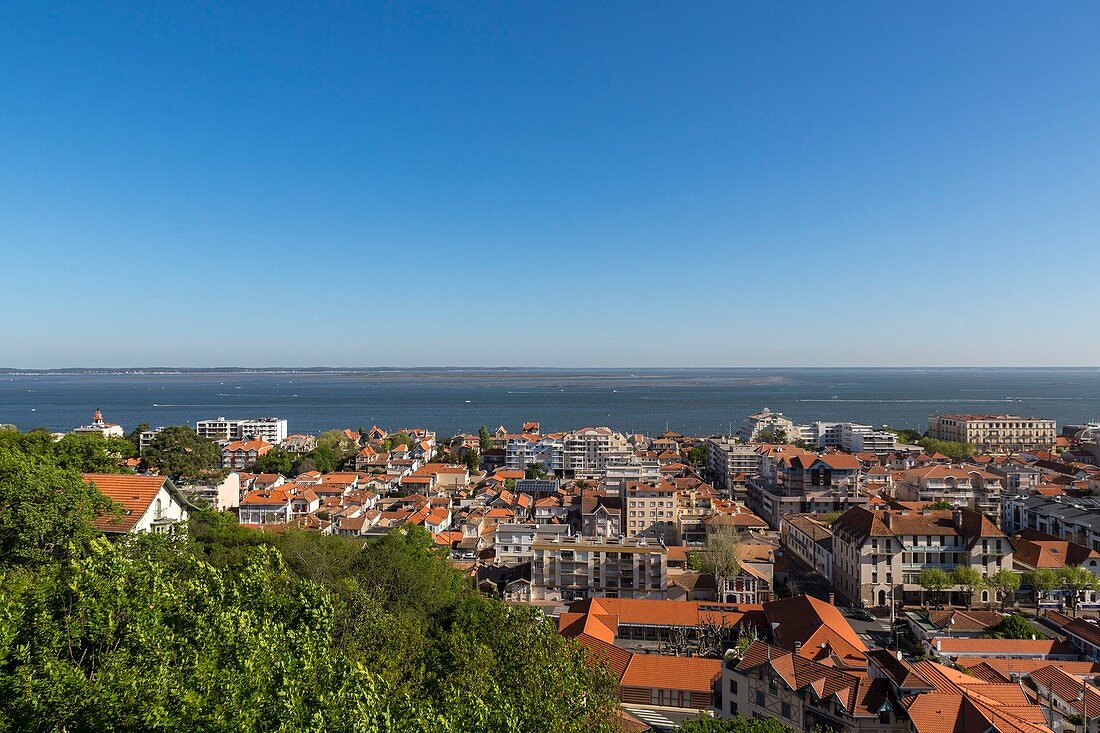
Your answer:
<point x="224" y="628"/>
<point x="180" y="452"/>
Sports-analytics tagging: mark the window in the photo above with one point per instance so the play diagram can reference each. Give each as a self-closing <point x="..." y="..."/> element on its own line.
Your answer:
<point x="760" y="698"/>
<point x="884" y="717"/>
<point x="733" y="708"/>
<point x="733" y="686"/>
<point x="787" y="710"/>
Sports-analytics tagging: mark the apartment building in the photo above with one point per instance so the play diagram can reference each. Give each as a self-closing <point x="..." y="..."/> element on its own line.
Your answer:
<point x="995" y="433"/>
<point x="768" y="424"/>
<point x="810" y="540"/>
<point x="1076" y="519"/>
<point x="617" y="476"/>
<point x="272" y="430"/>
<point x="574" y="568"/>
<point x="589" y="451"/>
<point x="806" y="483"/>
<point x="520" y="450"/>
<point x="728" y="460"/>
<point x="145" y="438"/>
<point x="512" y="542"/>
<point x="650" y="510"/>
<point x="879" y="554"/>
<point x="977" y="489"/>
<point x="857" y="438"/>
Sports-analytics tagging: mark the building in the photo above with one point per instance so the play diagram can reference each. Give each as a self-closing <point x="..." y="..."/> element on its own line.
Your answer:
<point x="548" y="450"/>
<point x="653" y="682"/>
<point x="975" y="488"/>
<point x="807" y="483"/>
<point x="217" y="493"/>
<point x="767" y="681"/>
<point x="512" y="541"/>
<point x="148" y="503"/>
<point x="649" y="510"/>
<point x="300" y="443"/>
<point x="1076" y="519"/>
<point x="887" y="695"/>
<point x="601" y="516"/>
<point x="106" y="429"/>
<point x="856" y="438"/>
<point x="618" y="475"/>
<point x="879" y="554"/>
<point x="809" y="540"/>
<point x="272" y="430"/>
<point x="769" y="425"/>
<point x="995" y="433"/>
<point x="242" y="454"/>
<point x="146" y="437"/>
<point x="589" y="451"/>
<point x="573" y="568"/>
<point x="728" y="459"/>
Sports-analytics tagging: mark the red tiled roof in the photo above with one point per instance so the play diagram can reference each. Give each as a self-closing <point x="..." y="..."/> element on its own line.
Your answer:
<point x="134" y="493"/>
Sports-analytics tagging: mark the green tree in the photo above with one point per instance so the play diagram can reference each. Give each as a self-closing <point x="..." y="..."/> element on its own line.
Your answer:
<point x="698" y="455"/>
<point x="1004" y="582"/>
<point x="1013" y="626"/>
<point x="473" y="460"/>
<point x="934" y="581"/>
<point x="941" y="505"/>
<point x="485" y="441"/>
<point x="969" y="579"/>
<point x="1042" y="581"/>
<point x="92" y="453"/>
<point x="721" y="556"/>
<point x="178" y="451"/>
<point x="276" y="460"/>
<point x="907" y="436"/>
<point x="707" y="724"/>
<point x="535" y="471"/>
<point x="45" y="511"/>
<point x="949" y="448"/>
<point x="1074" y="581"/>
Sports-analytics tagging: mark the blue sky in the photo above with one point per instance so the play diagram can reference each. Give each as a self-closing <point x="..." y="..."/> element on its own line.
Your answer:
<point x="589" y="184"/>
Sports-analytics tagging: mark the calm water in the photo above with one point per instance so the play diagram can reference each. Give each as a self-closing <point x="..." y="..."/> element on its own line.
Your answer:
<point x="642" y="400"/>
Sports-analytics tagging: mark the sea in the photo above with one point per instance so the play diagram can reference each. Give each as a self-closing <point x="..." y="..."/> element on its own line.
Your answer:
<point x="453" y="400"/>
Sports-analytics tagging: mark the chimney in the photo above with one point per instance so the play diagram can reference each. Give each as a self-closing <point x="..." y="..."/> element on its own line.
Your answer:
<point x="797" y="647"/>
<point x="832" y="599"/>
<point x="957" y="517"/>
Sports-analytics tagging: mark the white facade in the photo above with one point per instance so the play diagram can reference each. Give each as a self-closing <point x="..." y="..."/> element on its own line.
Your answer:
<point x="270" y="429"/>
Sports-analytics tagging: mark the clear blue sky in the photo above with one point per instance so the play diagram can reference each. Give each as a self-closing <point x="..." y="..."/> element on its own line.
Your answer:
<point x="550" y="184"/>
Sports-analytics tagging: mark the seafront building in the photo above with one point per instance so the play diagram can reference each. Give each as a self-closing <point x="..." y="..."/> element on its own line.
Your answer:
<point x="994" y="433"/>
<point x="272" y="430"/>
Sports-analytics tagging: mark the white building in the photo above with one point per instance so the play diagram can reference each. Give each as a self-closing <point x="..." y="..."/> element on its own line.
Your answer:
<point x="149" y="503"/>
<point x="521" y="450"/>
<point x="272" y="430"/>
<point x="589" y="451"/>
<point x="512" y="542"/>
<point x="106" y="429"/>
<point x="767" y="422"/>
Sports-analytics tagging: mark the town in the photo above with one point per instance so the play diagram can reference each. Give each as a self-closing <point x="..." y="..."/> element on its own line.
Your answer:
<point x="831" y="575"/>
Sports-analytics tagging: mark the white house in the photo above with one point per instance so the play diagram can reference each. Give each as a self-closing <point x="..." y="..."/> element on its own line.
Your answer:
<point x="147" y="503"/>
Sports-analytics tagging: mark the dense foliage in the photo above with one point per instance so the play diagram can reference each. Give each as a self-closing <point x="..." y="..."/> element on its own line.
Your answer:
<point x="229" y="629"/>
<point x="739" y="724"/>
<point x="1013" y="627"/>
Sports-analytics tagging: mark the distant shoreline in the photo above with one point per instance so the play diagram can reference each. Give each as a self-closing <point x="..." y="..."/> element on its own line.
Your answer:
<point x="184" y="371"/>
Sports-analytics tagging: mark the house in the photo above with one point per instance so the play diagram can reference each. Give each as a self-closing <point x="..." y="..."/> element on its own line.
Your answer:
<point x="242" y="454"/>
<point x="650" y="680"/>
<point x="816" y="630"/>
<point x="1069" y="696"/>
<point x="767" y="681"/>
<point x="146" y="503"/>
